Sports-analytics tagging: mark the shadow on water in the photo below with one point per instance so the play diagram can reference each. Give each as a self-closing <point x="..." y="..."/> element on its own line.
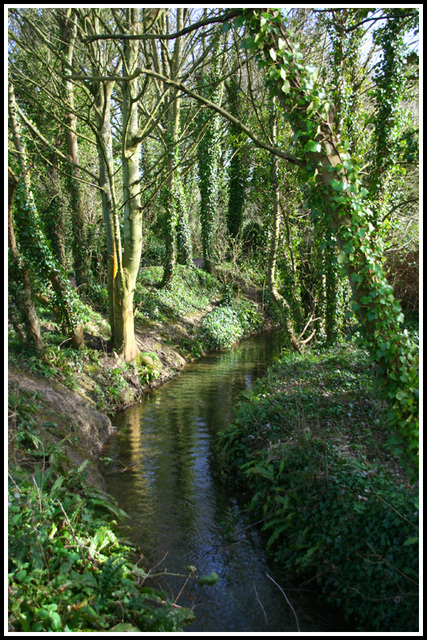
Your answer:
<point x="182" y="509"/>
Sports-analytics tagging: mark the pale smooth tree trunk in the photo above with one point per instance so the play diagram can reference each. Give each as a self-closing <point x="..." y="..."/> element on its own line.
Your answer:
<point x="124" y="334"/>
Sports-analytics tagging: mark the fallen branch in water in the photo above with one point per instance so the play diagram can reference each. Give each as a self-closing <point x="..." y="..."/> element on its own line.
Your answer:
<point x="130" y="466"/>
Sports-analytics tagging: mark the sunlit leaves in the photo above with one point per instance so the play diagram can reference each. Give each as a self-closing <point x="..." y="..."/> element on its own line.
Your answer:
<point x="338" y="185"/>
<point x="312" y="146"/>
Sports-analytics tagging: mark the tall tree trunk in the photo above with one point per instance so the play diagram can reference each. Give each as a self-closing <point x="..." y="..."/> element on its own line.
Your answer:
<point x="81" y="252"/>
<point x="208" y="161"/>
<point x="124" y="335"/>
<point x="238" y="171"/>
<point x="174" y="185"/>
<point x="102" y="92"/>
<point x="274" y="246"/>
<point x="109" y="208"/>
<point x="124" y="253"/>
<point x="20" y="282"/>
<point x="183" y="232"/>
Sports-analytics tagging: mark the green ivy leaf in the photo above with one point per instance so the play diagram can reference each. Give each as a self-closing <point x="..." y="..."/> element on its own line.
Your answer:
<point x="338" y="185"/>
<point x="286" y="87"/>
<point x="248" y="43"/>
<point x="312" y="146"/>
<point x="210" y="579"/>
<point x="410" y="541"/>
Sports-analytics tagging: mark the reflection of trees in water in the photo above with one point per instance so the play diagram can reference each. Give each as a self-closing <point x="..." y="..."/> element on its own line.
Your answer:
<point x="173" y="495"/>
<point x="179" y="505"/>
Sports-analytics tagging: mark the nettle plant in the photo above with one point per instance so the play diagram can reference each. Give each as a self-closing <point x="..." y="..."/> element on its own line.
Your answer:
<point x="340" y="200"/>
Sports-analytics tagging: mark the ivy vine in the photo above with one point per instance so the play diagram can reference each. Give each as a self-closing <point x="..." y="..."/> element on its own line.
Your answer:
<point x="342" y="199"/>
<point x="39" y="255"/>
<point x="208" y="161"/>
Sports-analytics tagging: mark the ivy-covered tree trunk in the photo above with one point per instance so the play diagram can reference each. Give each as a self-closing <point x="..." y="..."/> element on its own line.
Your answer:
<point x="20" y="288"/>
<point x="238" y="170"/>
<point x="390" y="80"/>
<point x="339" y="195"/>
<point x="183" y="232"/>
<point x="172" y="191"/>
<point x="208" y="152"/>
<point x="208" y="161"/>
<point x="274" y="247"/>
<point x="33" y="241"/>
<point x="330" y="286"/>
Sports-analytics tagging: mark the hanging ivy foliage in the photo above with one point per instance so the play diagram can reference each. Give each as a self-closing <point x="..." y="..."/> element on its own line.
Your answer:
<point x="37" y="252"/>
<point x="345" y="208"/>
<point x="208" y="160"/>
<point x="237" y="170"/>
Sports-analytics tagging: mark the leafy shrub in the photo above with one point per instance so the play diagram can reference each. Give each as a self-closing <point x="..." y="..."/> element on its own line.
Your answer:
<point x="68" y="571"/>
<point x="307" y="442"/>
<point x="228" y="323"/>
<point x="220" y="328"/>
<point x="348" y="523"/>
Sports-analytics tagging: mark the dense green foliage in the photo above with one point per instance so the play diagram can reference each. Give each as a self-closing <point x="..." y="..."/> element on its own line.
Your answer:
<point x="228" y="323"/>
<point x="340" y="201"/>
<point x="189" y="292"/>
<point x="309" y="445"/>
<point x="312" y="170"/>
<point x="68" y="569"/>
<point x="42" y="260"/>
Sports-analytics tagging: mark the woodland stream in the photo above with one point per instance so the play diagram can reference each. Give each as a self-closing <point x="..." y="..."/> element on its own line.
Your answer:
<point x="182" y="509"/>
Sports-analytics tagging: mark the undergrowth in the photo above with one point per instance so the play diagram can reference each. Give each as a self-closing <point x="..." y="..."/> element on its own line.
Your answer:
<point x="190" y="293"/>
<point x="309" y="444"/>
<point x="68" y="571"/>
<point x="229" y="322"/>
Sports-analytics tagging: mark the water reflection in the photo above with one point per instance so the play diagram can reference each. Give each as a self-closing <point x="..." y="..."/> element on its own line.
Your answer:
<point x="182" y="507"/>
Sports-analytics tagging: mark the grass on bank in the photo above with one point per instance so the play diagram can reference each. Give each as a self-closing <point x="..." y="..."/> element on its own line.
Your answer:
<point x="310" y="446"/>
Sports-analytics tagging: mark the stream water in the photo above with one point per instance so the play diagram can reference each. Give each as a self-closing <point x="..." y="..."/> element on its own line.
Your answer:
<point x="182" y="508"/>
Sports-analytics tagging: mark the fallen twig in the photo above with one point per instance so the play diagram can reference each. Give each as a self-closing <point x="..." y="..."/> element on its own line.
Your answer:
<point x="260" y="604"/>
<point x="284" y="595"/>
<point x="130" y="466"/>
